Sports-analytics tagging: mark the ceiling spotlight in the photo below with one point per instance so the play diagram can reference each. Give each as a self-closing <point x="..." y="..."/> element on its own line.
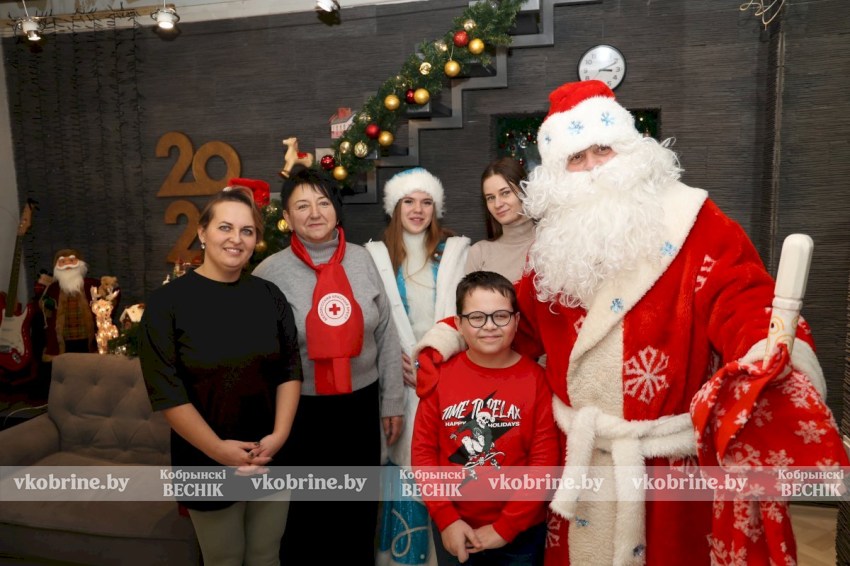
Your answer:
<point x="166" y="17"/>
<point x="327" y="5"/>
<point x="31" y="28"/>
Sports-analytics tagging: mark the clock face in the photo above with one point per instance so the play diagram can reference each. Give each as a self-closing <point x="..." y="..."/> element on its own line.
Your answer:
<point x="603" y="63"/>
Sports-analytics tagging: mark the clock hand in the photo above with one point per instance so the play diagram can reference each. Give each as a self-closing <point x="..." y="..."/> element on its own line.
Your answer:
<point x="611" y="64"/>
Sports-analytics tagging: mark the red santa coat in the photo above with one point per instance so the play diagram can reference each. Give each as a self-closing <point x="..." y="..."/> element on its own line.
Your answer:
<point x="625" y="370"/>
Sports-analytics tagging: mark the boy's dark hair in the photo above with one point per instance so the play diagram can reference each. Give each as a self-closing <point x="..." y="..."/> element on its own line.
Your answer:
<point x="485" y="280"/>
<point x="328" y="187"/>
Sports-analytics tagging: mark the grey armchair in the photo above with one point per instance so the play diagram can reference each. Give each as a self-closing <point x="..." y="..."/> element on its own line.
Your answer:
<point x="98" y="415"/>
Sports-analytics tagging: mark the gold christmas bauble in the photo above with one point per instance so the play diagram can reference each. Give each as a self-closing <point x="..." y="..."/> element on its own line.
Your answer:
<point x="340" y="173"/>
<point x="360" y="150"/>
<point x="476" y="46"/>
<point x="469" y="24"/>
<point x="425" y="68"/>
<point x="344" y="147"/>
<point x="385" y="138"/>
<point x="261" y="246"/>
<point x="452" y="68"/>
<point x="364" y="118"/>
<point x="441" y="46"/>
<point x="391" y="102"/>
<point x="421" y="96"/>
<point x="282" y="225"/>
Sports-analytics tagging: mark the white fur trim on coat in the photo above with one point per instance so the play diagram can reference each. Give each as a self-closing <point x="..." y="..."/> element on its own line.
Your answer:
<point x="381" y="257"/>
<point x="449" y="275"/>
<point x="630" y="443"/>
<point x="443" y="338"/>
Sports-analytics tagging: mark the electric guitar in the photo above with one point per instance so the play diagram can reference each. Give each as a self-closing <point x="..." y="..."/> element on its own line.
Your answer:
<point x="15" y="319"/>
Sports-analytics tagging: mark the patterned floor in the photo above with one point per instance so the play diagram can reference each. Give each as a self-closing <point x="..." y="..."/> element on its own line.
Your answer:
<point x="814" y="529"/>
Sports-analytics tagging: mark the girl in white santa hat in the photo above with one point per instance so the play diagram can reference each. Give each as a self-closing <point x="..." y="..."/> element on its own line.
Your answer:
<point x="420" y="263"/>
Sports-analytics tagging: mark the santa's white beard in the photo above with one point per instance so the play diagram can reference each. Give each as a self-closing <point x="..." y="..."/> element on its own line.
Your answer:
<point x="593" y="226"/>
<point x="71" y="278"/>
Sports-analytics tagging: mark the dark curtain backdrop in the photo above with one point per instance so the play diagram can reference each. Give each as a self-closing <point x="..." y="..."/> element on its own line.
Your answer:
<point x="77" y="123"/>
<point x="88" y="107"/>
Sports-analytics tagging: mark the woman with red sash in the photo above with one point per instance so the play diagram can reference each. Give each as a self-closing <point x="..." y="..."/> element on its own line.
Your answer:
<point x="351" y="363"/>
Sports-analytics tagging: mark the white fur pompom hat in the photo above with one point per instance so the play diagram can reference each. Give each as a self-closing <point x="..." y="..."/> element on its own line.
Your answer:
<point x="410" y="181"/>
<point x="582" y="114"/>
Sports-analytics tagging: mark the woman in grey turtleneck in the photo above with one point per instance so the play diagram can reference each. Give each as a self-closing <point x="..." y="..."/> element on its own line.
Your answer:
<point x="509" y="232"/>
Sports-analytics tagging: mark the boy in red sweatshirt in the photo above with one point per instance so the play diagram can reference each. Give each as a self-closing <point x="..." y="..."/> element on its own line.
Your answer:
<point x="489" y="408"/>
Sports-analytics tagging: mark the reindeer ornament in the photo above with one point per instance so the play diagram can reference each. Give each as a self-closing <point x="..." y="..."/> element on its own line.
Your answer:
<point x="102" y="303"/>
<point x="293" y="157"/>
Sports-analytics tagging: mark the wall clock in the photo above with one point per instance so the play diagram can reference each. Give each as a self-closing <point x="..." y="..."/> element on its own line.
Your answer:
<point x="603" y="63"/>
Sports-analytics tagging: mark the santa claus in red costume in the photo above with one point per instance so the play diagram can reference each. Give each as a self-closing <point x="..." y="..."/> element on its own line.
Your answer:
<point x="637" y="289"/>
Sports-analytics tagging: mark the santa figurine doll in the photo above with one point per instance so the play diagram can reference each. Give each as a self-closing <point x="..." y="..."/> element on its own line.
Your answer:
<point x="638" y="289"/>
<point x="69" y="322"/>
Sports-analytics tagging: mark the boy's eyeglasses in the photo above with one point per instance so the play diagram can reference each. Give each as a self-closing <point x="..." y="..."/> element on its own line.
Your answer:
<point x="478" y="319"/>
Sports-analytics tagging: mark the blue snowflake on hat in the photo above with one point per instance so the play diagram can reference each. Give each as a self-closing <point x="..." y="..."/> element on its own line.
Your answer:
<point x="582" y="114"/>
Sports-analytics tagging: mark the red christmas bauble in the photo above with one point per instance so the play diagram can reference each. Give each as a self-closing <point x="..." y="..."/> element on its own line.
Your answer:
<point x="373" y="131"/>
<point x="461" y="38"/>
<point x="409" y="96"/>
<point x="328" y="162"/>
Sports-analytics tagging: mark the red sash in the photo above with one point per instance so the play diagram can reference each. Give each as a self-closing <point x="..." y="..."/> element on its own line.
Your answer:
<point x="334" y="323"/>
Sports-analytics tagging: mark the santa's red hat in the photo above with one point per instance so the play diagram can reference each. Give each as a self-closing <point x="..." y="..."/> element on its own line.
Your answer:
<point x="259" y="188"/>
<point x="582" y="114"/>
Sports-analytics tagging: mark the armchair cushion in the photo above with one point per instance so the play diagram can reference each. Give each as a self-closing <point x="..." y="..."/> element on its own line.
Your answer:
<point x="29" y="442"/>
<point x="98" y="415"/>
<point x="100" y="406"/>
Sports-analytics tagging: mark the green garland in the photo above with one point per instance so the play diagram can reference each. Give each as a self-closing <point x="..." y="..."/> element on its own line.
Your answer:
<point x="488" y="20"/>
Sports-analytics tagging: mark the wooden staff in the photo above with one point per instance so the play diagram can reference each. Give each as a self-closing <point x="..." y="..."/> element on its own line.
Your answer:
<point x="791" y="279"/>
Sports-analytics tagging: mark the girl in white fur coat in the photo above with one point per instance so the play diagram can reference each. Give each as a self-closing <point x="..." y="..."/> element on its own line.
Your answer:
<point x="420" y="263"/>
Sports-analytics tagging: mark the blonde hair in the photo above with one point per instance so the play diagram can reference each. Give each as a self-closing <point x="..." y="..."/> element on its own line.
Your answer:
<point x="394" y="237"/>
<point x="235" y="193"/>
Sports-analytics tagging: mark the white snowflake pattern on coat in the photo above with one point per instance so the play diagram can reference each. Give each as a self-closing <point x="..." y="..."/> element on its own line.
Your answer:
<point x="553" y="528"/>
<point x="748" y="519"/>
<point x="774" y="510"/>
<point x="798" y="388"/>
<point x="707" y="265"/>
<point x="721" y="557"/>
<point x="741" y="387"/>
<point x="742" y="457"/>
<point x="789" y="560"/>
<point x="644" y="377"/>
<point x="827" y="465"/>
<point x="761" y="414"/>
<point x="705" y="393"/>
<point x="778" y="459"/>
<point x="810" y="432"/>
